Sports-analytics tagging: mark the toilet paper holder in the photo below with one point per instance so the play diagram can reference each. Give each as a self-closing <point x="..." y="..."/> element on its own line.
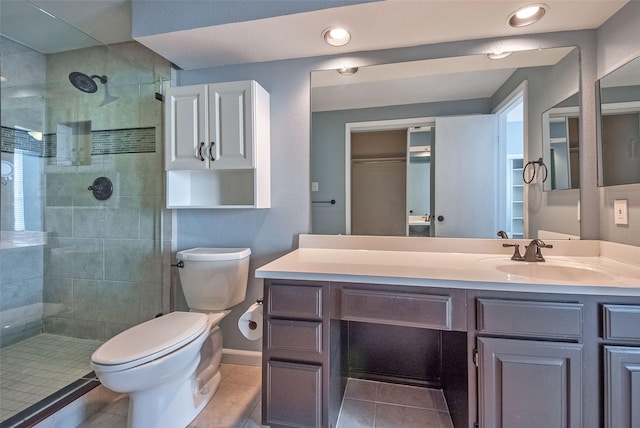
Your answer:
<point x="252" y="324"/>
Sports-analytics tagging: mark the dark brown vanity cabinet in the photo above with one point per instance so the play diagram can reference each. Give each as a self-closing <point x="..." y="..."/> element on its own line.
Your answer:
<point x="621" y="334"/>
<point x="295" y="351"/>
<point x="529" y="363"/>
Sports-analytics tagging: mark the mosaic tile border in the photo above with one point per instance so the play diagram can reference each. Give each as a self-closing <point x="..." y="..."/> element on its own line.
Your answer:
<point x="111" y="141"/>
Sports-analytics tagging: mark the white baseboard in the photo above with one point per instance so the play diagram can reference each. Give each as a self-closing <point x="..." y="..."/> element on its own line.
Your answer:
<point x="239" y="356"/>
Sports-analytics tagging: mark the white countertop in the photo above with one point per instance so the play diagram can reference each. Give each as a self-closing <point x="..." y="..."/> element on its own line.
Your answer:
<point x="584" y="267"/>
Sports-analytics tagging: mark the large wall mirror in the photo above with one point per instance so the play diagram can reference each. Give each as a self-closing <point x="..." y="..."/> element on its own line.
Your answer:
<point x="619" y="126"/>
<point x="452" y="164"/>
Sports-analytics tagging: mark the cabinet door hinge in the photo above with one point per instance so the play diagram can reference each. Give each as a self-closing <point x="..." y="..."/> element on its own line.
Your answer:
<point x="475" y="357"/>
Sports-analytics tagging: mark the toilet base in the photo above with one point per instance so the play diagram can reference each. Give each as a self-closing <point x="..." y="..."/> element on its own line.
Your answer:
<point x="178" y="402"/>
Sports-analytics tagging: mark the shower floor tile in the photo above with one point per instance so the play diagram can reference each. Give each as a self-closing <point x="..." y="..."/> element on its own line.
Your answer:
<point x="36" y="367"/>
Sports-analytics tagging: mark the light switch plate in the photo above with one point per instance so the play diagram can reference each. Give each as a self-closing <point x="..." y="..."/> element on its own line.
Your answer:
<point x="621" y="212"/>
<point x="314" y="186"/>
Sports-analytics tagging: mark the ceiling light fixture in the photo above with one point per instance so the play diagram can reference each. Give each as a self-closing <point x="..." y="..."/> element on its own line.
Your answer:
<point x="347" y="71"/>
<point x="336" y="36"/>
<point x="527" y="15"/>
<point x="498" y="55"/>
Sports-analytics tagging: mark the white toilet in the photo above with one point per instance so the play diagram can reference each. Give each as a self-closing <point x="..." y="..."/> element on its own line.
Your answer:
<point x="169" y="365"/>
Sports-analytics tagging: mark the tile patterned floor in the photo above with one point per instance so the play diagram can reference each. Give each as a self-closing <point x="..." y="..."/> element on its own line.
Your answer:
<point x="37" y="367"/>
<point x="40" y="366"/>
<point x="368" y="404"/>
<point x="236" y="404"/>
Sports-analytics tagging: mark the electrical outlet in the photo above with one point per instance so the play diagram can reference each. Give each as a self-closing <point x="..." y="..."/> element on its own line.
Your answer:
<point x="314" y="186"/>
<point x="621" y="212"/>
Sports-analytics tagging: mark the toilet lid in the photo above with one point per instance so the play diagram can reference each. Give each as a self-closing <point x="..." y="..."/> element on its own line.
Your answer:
<point x="151" y="339"/>
<point x="213" y="254"/>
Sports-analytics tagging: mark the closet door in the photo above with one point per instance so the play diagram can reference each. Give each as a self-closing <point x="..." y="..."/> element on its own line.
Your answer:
<point x="465" y="164"/>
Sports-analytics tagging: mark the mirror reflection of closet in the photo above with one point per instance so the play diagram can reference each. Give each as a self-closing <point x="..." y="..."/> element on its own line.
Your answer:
<point x="378" y="182"/>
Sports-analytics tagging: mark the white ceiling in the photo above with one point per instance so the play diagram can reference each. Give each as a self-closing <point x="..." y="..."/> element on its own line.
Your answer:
<point x="377" y="25"/>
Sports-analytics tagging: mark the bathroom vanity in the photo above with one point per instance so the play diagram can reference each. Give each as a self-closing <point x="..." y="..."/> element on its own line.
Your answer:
<point x="510" y="343"/>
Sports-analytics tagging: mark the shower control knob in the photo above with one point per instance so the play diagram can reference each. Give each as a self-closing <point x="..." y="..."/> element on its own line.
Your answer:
<point x="102" y="188"/>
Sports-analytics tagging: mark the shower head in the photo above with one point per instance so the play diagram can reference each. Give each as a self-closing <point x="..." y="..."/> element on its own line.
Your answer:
<point x="85" y="82"/>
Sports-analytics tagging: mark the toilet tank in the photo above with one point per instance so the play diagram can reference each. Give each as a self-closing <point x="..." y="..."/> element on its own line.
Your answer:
<point x="214" y="279"/>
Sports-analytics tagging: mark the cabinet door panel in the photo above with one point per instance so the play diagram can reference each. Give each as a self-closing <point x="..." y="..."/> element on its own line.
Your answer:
<point x="622" y="387"/>
<point x="294" y="394"/>
<point x="231" y="125"/>
<point x="529" y="384"/>
<point x="185" y="127"/>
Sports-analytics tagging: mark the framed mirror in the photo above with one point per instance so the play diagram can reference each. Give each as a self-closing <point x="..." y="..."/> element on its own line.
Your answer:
<point x="561" y="144"/>
<point x="473" y="94"/>
<point x="619" y="126"/>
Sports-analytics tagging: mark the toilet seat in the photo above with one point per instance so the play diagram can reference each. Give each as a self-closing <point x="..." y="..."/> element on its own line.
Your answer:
<point x="150" y="340"/>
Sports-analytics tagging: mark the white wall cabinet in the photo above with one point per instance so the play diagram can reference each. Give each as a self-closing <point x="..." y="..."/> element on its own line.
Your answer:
<point x="217" y="152"/>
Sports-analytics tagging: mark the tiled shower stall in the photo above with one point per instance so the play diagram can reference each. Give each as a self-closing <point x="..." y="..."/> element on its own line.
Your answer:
<point x="71" y="265"/>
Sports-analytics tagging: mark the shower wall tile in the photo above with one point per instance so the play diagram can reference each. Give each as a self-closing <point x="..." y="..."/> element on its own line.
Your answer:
<point x="106" y="301"/>
<point x="113" y="218"/>
<point x="140" y="174"/>
<point x="150" y="217"/>
<point x="150" y="301"/>
<point x="89" y="329"/>
<point x="21" y="294"/>
<point x="58" y="220"/>
<point x="19" y="264"/>
<point x="132" y="260"/>
<point x="62" y="326"/>
<point x="59" y="201"/>
<point x="74" y="258"/>
<point x="58" y="297"/>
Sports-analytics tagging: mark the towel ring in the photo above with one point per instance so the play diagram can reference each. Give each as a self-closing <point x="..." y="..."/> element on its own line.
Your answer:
<point x="533" y="164"/>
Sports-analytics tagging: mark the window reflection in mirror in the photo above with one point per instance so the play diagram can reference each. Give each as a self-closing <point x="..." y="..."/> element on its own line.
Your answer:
<point x="560" y="127"/>
<point x="619" y="126"/>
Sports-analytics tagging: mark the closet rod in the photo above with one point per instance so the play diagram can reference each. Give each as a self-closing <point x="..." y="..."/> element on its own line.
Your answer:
<point x="378" y="160"/>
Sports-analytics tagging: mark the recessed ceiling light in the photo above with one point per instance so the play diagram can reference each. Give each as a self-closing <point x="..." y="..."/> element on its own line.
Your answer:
<point x="336" y="36"/>
<point x="527" y="15"/>
<point x="347" y="70"/>
<point x="498" y="55"/>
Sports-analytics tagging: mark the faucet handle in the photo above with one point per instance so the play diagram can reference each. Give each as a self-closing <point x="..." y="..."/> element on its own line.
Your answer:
<point x="516" y="251"/>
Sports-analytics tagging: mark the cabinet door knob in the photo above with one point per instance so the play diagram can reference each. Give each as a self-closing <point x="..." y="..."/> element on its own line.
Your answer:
<point x="199" y="151"/>
<point x="211" y="158"/>
<point x="440" y="218"/>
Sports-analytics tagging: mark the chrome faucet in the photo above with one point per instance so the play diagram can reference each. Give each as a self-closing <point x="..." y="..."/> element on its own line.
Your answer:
<point x="516" y="252"/>
<point x="533" y="253"/>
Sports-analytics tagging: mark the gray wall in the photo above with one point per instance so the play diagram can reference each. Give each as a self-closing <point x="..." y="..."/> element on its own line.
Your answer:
<point x="273" y="232"/>
<point x="618" y="41"/>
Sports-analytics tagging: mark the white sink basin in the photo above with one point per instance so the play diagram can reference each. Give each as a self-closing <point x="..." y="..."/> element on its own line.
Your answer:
<point x="556" y="271"/>
<point x="553" y="270"/>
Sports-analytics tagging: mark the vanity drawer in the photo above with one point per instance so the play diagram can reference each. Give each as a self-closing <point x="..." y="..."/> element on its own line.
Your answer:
<point x="299" y="336"/>
<point x="294" y="301"/>
<point x="621" y="322"/>
<point x="397" y="308"/>
<point x="530" y="318"/>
